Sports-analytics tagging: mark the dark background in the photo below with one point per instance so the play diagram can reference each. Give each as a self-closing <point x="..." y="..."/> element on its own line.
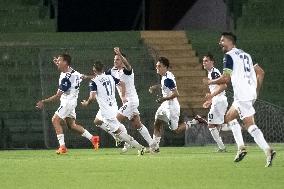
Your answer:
<point x="118" y="15"/>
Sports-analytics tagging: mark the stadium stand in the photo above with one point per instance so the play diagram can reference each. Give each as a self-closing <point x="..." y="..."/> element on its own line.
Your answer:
<point x="27" y="73"/>
<point x="25" y="16"/>
<point x="259" y="30"/>
<point x="184" y="64"/>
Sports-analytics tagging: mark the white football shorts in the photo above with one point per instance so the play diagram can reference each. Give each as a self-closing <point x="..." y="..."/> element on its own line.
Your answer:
<point x="112" y="123"/>
<point x="67" y="109"/>
<point x="129" y="109"/>
<point x="218" y="110"/>
<point x="169" y="111"/>
<point x="244" y="108"/>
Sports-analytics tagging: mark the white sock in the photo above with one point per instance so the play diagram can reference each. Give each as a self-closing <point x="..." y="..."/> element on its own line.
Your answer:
<point x="122" y="128"/>
<point x="157" y="139"/>
<point x="60" y="139"/>
<point x="145" y="133"/>
<point x="105" y="127"/>
<point x="237" y="132"/>
<point x="215" y="134"/>
<point x="87" y="135"/>
<point x="224" y="127"/>
<point x="130" y="140"/>
<point x="257" y="135"/>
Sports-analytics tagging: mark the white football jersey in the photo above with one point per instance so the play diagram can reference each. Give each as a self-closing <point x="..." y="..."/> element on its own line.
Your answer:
<point x="214" y="73"/>
<point x="243" y="77"/>
<point x="128" y="78"/>
<point x="168" y="83"/>
<point x="69" y="84"/>
<point x="104" y="86"/>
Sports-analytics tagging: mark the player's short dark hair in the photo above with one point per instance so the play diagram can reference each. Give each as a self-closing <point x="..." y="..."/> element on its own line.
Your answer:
<point x="164" y="61"/>
<point x="66" y="57"/>
<point x="210" y="56"/>
<point x="229" y="35"/>
<point x="99" y="66"/>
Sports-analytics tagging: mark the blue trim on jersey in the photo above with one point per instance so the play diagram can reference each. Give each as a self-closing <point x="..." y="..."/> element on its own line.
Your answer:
<point x="116" y="81"/>
<point x="169" y="83"/>
<point x="127" y="72"/>
<point x="228" y="62"/>
<point x="93" y="86"/>
<point x="65" y="84"/>
<point x="215" y="75"/>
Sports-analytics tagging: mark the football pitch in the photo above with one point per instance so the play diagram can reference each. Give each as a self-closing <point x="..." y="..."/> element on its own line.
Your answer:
<point x="173" y="167"/>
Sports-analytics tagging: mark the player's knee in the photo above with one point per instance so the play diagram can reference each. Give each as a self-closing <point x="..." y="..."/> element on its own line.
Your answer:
<point x="55" y="120"/>
<point x="227" y="119"/>
<point x="136" y="124"/>
<point x="72" y="126"/>
<point x="176" y="131"/>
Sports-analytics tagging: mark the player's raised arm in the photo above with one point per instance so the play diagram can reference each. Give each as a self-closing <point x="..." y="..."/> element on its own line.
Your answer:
<point x="259" y="76"/>
<point x="123" y="58"/>
<point x="40" y="104"/>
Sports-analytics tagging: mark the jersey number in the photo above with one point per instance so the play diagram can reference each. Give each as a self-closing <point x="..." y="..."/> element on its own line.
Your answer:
<point x="246" y="62"/>
<point x="108" y="87"/>
<point x="247" y="67"/>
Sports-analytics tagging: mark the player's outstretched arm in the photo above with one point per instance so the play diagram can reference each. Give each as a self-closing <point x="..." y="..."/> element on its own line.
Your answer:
<point x="83" y="76"/>
<point x="259" y="76"/>
<point x="224" y="79"/>
<point x="40" y="104"/>
<point x="173" y="95"/>
<point x="92" y="97"/>
<point x="208" y="97"/>
<point x="218" y="89"/>
<point x="124" y="60"/>
<point x="154" y="88"/>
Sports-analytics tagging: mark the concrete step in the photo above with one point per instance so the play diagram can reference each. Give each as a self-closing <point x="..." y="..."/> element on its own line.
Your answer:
<point x="163" y="41"/>
<point x="162" y="34"/>
<point x="192" y="93"/>
<point x="193" y="111"/>
<point x="190" y="99"/>
<point x="184" y="60"/>
<point x="177" y="53"/>
<point x="195" y="84"/>
<point x="192" y="85"/>
<point x="178" y="67"/>
<point x="191" y="106"/>
<point x="188" y="73"/>
<point x="172" y="46"/>
<point x="189" y="79"/>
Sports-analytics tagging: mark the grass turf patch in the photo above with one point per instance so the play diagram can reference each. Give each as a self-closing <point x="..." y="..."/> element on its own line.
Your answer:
<point x="183" y="167"/>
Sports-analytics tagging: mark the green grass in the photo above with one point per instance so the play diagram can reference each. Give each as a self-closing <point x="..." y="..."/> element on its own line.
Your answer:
<point x="184" y="167"/>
